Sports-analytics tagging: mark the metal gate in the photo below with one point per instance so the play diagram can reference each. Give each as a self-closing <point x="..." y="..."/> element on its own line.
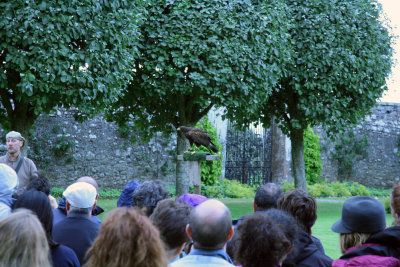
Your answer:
<point x="249" y="155"/>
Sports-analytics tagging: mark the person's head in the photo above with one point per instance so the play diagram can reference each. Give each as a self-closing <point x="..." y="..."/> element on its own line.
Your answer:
<point x="290" y="228"/>
<point x="80" y="198"/>
<point x="127" y="238"/>
<point x="15" y="141"/>
<point x="267" y="197"/>
<point x="125" y="199"/>
<point x="300" y="205"/>
<point x="210" y="225"/>
<point x="8" y="183"/>
<point x="23" y="241"/>
<point x="362" y="217"/>
<point x="39" y="184"/>
<point x="39" y="203"/>
<point x="395" y="204"/>
<point x="89" y="180"/>
<point x="171" y="218"/>
<point x="147" y="195"/>
<point x="261" y="242"/>
<point x="192" y="200"/>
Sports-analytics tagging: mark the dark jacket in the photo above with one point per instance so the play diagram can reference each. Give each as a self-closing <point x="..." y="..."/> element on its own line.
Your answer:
<point x="309" y="255"/>
<point x="60" y="213"/>
<point x="381" y="249"/>
<point x="63" y="256"/>
<point x="78" y="232"/>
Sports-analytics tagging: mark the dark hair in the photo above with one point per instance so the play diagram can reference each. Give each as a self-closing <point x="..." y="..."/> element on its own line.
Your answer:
<point x="148" y="194"/>
<point x="260" y="242"/>
<point x="210" y="233"/>
<point x="171" y="218"/>
<point x="267" y="196"/>
<point x="395" y="202"/>
<point x="39" y="184"/>
<point x="127" y="238"/>
<point x="300" y="205"/>
<point x="290" y="228"/>
<point x="39" y="203"/>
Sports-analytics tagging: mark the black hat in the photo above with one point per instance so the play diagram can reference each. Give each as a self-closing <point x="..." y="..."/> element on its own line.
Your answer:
<point x="361" y="214"/>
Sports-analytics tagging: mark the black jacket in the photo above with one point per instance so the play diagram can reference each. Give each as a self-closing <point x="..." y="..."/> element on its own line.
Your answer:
<point x="309" y="255"/>
<point x="388" y="244"/>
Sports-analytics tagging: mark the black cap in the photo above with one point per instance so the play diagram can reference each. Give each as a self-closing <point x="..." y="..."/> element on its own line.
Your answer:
<point x="361" y="214"/>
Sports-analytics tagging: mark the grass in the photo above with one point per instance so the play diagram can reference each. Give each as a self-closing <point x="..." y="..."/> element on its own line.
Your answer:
<point x="328" y="213"/>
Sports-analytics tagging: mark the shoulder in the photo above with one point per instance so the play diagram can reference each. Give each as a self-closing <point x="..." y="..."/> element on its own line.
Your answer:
<point x="200" y="260"/>
<point x="3" y="158"/>
<point x="367" y="260"/>
<point x="64" y="256"/>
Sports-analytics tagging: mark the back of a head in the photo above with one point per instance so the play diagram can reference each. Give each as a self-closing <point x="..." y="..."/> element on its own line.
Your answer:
<point x="8" y="180"/>
<point x="38" y="202"/>
<point x="171" y="218"/>
<point x="23" y="241"/>
<point x="127" y="238"/>
<point x="300" y="205"/>
<point x="89" y="180"/>
<point x="210" y="224"/>
<point x="148" y="194"/>
<point x="395" y="204"/>
<point x="81" y="197"/>
<point x="290" y="228"/>
<point x="125" y="199"/>
<point x="39" y="184"/>
<point x="362" y="216"/>
<point x="267" y="196"/>
<point x="260" y="242"/>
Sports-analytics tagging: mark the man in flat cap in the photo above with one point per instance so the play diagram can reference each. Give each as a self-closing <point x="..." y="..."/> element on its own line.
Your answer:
<point x="77" y="231"/>
<point x="24" y="167"/>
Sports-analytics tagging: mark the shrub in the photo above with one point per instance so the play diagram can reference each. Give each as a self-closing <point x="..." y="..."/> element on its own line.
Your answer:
<point x="357" y="189"/>
<point x="320" y="190"/>
<point x="210" y="170"/>
<point x="312" y="156"/>
<point x="340" y="189"/>
<point x="287" y="186"/>
<point x="386" y="203"/>
<point x="228" y="188"/>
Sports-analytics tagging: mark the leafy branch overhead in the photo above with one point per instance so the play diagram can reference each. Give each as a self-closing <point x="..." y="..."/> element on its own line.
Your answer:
<point x="63" y="53"/>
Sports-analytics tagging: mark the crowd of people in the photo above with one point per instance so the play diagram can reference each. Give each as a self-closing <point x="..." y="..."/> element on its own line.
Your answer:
<point x="149" y="228"/>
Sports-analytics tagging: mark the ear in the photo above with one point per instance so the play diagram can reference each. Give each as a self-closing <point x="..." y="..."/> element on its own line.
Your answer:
<point x="188" y="231"/>
<point x="254" y="206"/>
<point x="67" y="206"/>
<point x="95" y="204"/>
<point x="230" y="234"/>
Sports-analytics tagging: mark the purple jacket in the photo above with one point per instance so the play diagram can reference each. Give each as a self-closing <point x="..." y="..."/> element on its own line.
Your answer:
<point x="366" y="260"/>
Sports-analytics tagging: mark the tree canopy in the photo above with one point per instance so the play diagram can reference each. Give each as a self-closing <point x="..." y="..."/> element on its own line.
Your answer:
<point x="63" y="53"/>
<point x="341" y="52"/>
<point x="195" y="54"/>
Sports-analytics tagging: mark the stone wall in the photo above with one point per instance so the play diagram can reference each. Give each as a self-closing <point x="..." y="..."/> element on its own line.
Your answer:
<point x="381" y="167"/>
<point x="64" y="150"/>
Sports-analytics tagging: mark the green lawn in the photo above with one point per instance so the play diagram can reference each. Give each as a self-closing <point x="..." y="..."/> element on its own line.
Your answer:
<point x="328" y="213"/>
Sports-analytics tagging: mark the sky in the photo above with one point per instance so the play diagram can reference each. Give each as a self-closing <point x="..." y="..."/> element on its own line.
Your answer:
<point x="392" y="10"/>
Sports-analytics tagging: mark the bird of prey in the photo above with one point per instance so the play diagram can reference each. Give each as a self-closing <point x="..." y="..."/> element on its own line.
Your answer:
<point x="198" y="137"/>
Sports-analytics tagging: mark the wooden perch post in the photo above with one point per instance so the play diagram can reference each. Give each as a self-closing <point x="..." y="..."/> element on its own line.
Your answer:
<point x="194" y="167"/>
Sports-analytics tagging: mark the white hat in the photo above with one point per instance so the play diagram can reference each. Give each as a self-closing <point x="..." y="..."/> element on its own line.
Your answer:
<point x="8" y="178"/>
<point x="80" y="195"/>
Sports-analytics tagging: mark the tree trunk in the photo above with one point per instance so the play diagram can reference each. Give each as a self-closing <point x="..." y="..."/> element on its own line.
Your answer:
<point x="182" y="167"/>
<point x="298" y="166"/>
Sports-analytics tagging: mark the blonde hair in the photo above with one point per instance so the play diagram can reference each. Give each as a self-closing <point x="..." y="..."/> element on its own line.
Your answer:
<point x="23" y="241"/>
<point x="347" y="241"/>
<point x="127" y="238"/>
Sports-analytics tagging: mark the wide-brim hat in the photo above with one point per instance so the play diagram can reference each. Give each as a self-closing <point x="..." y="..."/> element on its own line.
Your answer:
<point x="361" y="214"/>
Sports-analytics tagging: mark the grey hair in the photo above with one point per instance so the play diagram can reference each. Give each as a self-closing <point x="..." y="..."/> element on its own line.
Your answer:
<point x="80" y="210"/>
